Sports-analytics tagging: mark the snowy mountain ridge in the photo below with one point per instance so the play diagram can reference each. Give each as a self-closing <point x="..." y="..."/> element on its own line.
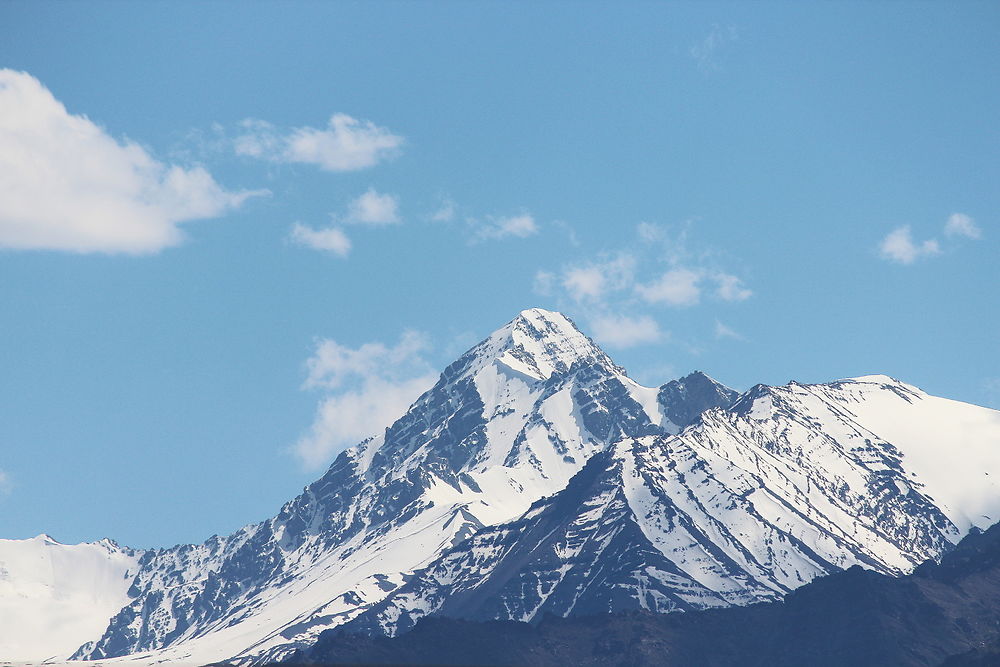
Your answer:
<point x="536" y="476"/>
<point x="75" y="588"/>
<point x="743" y="506"/>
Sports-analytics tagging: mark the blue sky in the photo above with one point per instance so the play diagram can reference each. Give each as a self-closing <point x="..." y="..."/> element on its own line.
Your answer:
<point x="235" y="237"/>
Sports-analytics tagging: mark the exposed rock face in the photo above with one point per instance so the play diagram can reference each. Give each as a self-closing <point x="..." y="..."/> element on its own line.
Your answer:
<point x="685" y="399"/>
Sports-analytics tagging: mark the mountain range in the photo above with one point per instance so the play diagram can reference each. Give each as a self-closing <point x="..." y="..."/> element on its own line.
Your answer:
<point x="536" y="477"/>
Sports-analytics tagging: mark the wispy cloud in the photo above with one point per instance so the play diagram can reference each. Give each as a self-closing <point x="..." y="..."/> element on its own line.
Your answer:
<point x="722" y="331"/>
<point x="483" y="228"/>
<point x="731" y="288"/>
<point x="624" y="331"/>
<point x="569" y="230"/>
<point x="707" y="51"/>
<point x="617" y="290"/>
<point x="676" y="287"/>
<point x="364" y="389"/>
<point x="593" y="281"/>
<point x="899" y="246"/>
<point x="331" y="239"/>
<point x="959" y="224"/>
<point x="345" y="144"/>
<point x="445" y="212"/>
<point x="495" y="228"/>
<point x="66" y="184"/>
<point x="5" y="484"/>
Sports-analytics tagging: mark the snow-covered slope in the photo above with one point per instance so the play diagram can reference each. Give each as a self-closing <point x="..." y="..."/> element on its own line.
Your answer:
<point x="536" y="476"/>
<point x="951" y="448"/>
<point x="508" y="423"/>
<point x="743" y="506"/>
<point x="54" y="597"/>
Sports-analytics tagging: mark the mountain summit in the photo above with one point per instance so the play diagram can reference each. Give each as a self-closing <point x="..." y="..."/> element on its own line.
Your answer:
<point x="536" y="477"/>
<point x="509" y="422"/>
<point x="541" y="343"/>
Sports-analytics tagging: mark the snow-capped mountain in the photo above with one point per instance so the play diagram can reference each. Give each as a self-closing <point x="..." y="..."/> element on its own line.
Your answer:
<point x="536" y="476"/>
<point x="747" y="504"/>
<point x="508" y="423"/>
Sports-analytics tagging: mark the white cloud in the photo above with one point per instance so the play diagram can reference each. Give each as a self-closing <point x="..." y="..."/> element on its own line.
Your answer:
<point x="333" y="365"/>
<point x="959" y="224"/>
<point x="592" y="282"/>
<point x="495" y="228"/>
<point x="445" y="212"/>
<point x="722" y="331"/>
<point x="331" y="239"/>
<point x="898" y="246"/>
<point x="65" y="184"/>
<point x="367" y="387"/>
<point x="730" y="288"/>
<point x="4" y="483"/>
<point x="345" y="419"/>
<point x="346" y="144"/>
<point x="373" y="208"/>
<point x="623" y="331"/>
<point x="676" y="287"/>
<point x="612" y="291"/>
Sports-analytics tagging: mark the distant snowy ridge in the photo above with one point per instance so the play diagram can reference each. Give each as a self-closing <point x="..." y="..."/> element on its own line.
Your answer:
<point x="54" y="597"/>
<point x="536" y="476"/>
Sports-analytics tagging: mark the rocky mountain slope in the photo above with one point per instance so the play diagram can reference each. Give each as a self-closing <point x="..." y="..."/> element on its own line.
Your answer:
<point x="947" y="613"/>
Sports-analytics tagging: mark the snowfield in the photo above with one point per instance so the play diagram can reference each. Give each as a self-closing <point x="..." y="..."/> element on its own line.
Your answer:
<point x="54" y="597"/>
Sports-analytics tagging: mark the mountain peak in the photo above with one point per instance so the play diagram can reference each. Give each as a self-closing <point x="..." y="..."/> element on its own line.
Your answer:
<point x="540" y="343"/>
<point x="683" y="400"/>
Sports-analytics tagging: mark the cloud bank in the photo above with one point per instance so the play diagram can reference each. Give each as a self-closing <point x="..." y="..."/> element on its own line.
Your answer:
<point x="66" y="184"/>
